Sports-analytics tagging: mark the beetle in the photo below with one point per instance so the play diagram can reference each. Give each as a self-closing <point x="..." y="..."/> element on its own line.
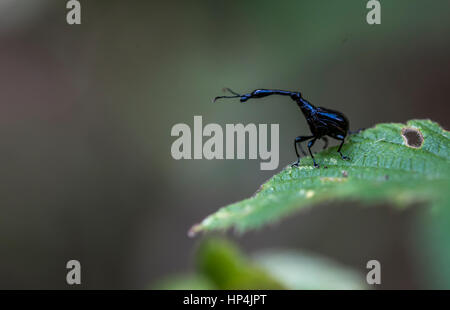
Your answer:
<point x="322" y="122"/>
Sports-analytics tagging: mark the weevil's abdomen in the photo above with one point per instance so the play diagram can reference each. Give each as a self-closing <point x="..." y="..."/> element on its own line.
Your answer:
<point x="330" y="122"/>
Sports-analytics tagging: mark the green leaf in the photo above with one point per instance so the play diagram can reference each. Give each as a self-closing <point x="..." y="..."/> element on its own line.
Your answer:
<point x="225" y="266"/>
<point x="221" y="265"/>
<point x="396" y="163"/>
<point x="434" y="247"/>
<point x="303" y="271"/>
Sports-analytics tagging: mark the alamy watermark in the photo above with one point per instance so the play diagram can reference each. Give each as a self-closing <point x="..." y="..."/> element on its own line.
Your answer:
<point x="235" y="135"/>
<point x="74" y="274"/>
<point x="373" y="17"/>
<point x="73" y="16"/>
<point x="374" y="275"/>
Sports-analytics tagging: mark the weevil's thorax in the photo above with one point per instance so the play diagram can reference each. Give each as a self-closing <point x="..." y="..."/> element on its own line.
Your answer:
<point x="307" y="108"/>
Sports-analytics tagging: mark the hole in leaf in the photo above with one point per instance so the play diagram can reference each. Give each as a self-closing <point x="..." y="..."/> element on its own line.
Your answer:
<point x="413" y="137"/>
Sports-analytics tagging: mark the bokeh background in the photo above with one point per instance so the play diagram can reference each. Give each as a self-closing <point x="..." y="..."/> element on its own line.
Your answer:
<point x="86" y="112"/>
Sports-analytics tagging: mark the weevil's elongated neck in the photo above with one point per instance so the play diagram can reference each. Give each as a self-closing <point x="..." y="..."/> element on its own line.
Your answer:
<point x="306" y="107"/>
<point x="261" y="93"/>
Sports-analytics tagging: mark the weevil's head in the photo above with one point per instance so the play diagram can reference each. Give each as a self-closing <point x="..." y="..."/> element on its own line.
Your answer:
<point x="244" y="98"/>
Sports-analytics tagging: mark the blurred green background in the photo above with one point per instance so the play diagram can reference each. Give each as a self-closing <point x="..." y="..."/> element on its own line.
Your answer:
<point x="86" y="113"/>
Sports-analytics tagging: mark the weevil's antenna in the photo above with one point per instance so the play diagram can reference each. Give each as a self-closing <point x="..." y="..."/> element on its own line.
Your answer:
<point x="236" y="95"/>
<point x="229" y="90"/>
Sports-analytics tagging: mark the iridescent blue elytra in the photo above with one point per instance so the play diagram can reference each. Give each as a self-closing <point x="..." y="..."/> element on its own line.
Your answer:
<point x="322" y="122"/>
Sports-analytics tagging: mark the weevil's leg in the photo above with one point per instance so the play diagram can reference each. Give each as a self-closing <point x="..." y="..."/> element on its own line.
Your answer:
<point x="310" y="144"/>
<point x="340" y="146"/>
<point x="325" y="139"/>
<point x="298" y="140"/>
